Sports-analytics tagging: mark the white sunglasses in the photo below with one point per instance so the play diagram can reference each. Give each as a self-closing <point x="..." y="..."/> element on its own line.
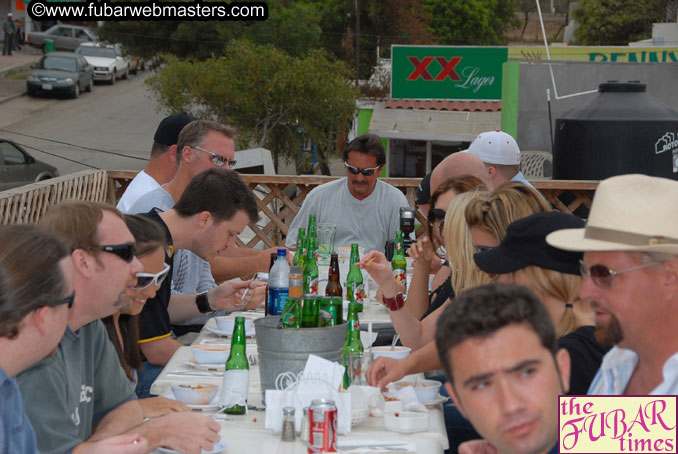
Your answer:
<point x="144" y="280"/>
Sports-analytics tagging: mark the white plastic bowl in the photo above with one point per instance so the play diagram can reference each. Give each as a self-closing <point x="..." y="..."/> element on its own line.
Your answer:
<point x="194" y="394"/>
<point x="406" y="422"/>
<point x="396" y="353"/>
<point x="426" y="390"/>
<point x="211" y="353"/>
<point x="227" y="323"/>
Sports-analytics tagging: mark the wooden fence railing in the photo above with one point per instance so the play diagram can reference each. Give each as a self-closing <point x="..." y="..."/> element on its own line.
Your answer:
<point x="26" y="204"/>
<point x="279" y="198"/>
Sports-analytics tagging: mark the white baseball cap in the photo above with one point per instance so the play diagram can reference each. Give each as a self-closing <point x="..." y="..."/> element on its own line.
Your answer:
<point x="495" y="147"/>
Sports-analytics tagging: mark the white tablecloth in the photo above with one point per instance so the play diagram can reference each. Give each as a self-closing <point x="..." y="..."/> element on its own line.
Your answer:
<point x="246" y="434"/>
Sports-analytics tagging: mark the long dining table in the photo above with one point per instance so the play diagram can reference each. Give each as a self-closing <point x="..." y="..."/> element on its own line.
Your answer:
<point x="246" y="433"/>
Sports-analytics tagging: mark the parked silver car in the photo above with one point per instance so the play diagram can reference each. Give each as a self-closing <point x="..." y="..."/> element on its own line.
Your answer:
<point x="65" y="37"/>
<point x="18" y="168"/>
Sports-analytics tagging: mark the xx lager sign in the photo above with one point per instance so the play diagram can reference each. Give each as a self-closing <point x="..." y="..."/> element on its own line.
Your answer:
<point x="446" y="72"/>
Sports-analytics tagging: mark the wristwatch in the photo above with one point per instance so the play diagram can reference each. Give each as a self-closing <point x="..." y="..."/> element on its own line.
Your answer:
<point x="395" y="303"/>
<point x="203" y="303"/>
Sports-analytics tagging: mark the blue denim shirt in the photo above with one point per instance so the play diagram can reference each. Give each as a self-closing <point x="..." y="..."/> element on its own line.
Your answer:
<point x="16" y="433"/>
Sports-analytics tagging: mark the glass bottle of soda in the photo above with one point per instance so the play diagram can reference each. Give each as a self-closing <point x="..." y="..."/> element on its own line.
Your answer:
<point x="398" y="262"/>
<point x="236" y="376"/>
<point x="333" y="282"/>
<point x="313" y="235"/>
<point x="354" y="280"/>
<point x="298" y="253"/>
<point x="353" y="346"/>
<point x="310" y="273"/>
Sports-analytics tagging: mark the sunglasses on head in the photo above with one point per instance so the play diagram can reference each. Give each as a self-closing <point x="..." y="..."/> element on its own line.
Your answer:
<point x="69" y="299"/>
<point x="144" y="280"/>
<point x="218" y="159"/>
<point x="355" y="171"/>
<point x="124" y="251"/>
<point x="602" y="276"/>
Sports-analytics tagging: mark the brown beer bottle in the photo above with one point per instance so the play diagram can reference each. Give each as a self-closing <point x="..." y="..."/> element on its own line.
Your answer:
<point x="333" y="286"/>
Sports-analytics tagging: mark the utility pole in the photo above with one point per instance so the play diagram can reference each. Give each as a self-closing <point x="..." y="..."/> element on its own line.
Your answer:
<point x="357" y="42"/>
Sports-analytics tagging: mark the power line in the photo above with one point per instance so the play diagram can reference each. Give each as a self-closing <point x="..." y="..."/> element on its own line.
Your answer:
<point x="57" y="156"/>
<point x="73" y="145"/>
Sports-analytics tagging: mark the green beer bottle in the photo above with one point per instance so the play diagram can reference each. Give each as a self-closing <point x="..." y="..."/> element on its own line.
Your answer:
<point x="398" y="262"/>
<point x="354" y="280"/>
<point x="310" y="273"/>
<point x="236" y="375"/>
<point x="297" y="254"/>
<point x="313" y="235"/>
<point x="292" y="313"/>
<point x="353" y="345"/>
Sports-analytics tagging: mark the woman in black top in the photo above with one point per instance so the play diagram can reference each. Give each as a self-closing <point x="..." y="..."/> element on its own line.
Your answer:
<point x="525" y="258"/>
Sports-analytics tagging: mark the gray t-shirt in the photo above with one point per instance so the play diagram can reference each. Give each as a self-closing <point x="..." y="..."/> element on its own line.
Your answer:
<point x="190" y="273"/>
<point x="68" y="393"/>
<point x="369" y="222"/>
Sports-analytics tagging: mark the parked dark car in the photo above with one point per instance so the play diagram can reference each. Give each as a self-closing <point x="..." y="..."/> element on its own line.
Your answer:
<point x="18" y="168"/>
<point x="60" y="72"/>
<point x="65" y="37"/>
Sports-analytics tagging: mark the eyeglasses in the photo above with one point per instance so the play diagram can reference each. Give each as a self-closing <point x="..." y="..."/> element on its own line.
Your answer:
<point x="144" y="280"/>
<point x="478" y="248"/>
<point x="218" y="159"/>
<point x="436" y="214"/>
<point x="355" y="171"/>
<point x="69" y="299"/>
<point x="602" y="276"/>
<point x="124" y="251"/>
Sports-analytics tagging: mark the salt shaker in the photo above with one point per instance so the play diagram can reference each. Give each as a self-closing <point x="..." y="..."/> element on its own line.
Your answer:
<point x="288" y="425"/>
<point x="304" y="426"/>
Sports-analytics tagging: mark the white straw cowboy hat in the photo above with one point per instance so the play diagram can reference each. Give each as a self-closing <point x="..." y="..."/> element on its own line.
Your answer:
<point x="628" y="213"/>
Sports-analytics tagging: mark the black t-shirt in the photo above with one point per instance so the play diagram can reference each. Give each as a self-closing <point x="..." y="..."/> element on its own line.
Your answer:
<point x="154" y="321"/>
<point x="586" y="355"/>
<point x="439" y="296"/>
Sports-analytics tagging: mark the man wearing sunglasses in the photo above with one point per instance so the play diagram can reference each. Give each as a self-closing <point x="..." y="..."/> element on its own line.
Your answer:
<point x="364" y="209"/>
<point x="81" y="394"/>
<point x="162" y="164"/>
<point x="630" y="270"/>
<point x="202" y="145"/>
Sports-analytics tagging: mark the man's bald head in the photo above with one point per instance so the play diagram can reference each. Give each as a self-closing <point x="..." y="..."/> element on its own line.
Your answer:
<point x="458" y="164"/>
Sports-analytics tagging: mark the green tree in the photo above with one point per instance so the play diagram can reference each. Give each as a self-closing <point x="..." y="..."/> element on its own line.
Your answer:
<point x="275" y="100"/>
<point x="294" y="27"/>
<point x="617" y="22"/>
<point x="470" y="22"/>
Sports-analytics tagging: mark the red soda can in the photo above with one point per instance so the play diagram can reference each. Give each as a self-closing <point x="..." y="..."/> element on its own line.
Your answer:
<point x="322" y="416"/>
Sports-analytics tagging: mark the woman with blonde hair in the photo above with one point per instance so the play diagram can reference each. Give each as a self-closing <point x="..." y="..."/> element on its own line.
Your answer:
<point x="524" y="257"/>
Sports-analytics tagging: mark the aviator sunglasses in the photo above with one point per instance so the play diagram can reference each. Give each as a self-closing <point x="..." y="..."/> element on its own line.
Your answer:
<point x="602" y="276"/>
<point x="144" y="280"/>
<point x="355" y="171"/>
<point x="218" y="159"/>
<point x="124" y="251"/>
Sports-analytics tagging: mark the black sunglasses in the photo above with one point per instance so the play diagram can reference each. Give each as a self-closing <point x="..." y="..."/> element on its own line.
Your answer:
<point x="124" y="251"/>
<point x="355" y="171"/>
<point x="69" y="299"/>
<point x="437" y="213"/>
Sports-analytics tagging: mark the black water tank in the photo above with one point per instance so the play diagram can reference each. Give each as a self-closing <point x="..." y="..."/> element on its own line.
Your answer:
<point x="623" y="130"/>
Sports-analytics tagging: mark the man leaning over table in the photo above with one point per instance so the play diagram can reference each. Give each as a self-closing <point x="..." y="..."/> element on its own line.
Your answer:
<point x="214" y="209"/>
<point x="81" y="394"/>
<point x="498" y="348"/>
<point x="365" y="209"/>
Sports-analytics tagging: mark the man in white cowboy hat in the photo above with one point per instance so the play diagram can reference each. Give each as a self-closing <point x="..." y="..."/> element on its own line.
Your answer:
<point x="630" y="270"/>
<point x="501" y="156"/>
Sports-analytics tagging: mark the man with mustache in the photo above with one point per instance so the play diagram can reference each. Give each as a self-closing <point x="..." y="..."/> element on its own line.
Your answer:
<point x="630" y="270"/>
<point x="364" y="209"/>
<point x="81" y="395"/>
<point x="498" y="348"/>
